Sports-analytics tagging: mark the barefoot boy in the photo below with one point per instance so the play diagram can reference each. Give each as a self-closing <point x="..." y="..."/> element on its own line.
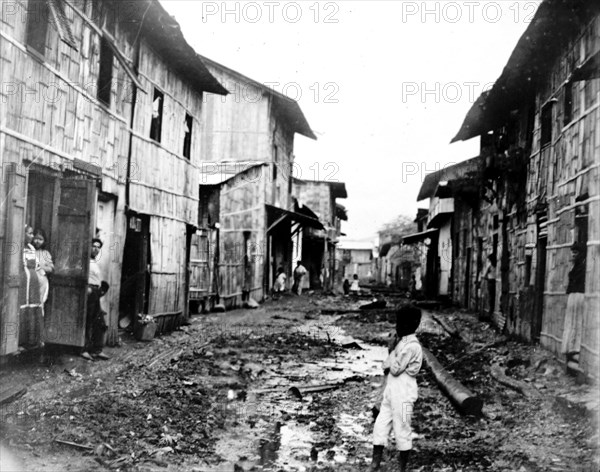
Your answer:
<point x="401" y="368"/>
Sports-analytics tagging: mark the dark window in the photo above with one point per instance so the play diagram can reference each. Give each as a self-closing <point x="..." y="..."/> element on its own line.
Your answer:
<point x="528" y="263"/>
<point x="187" y="138"/>
<point x="37" y="25"/>
<point x="546" y="125"/>
<point x="568" y="103"/>
<point x="106" y="72"/>
<point x="157" y="115"/>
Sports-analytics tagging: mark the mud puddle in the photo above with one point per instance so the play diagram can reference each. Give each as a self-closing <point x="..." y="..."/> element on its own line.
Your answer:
<point x="282" y="423"/>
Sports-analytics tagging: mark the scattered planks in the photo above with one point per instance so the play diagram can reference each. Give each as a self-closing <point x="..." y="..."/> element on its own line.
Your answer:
<point x="461" y="397"/>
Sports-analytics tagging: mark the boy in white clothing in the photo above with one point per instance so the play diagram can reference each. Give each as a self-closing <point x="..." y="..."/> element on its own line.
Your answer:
<point x="401" y="367"/>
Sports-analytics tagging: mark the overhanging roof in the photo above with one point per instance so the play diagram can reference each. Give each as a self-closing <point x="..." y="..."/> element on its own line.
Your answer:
<point x="275" y="213"/>
<point x="288" y="108"/>
<point x="164" y="35"/>
<point x="556" y="22"/>
<point x="447" y="174"/>
<point x="417" y="237"/>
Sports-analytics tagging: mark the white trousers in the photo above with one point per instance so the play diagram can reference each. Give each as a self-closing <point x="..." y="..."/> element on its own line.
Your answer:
<point x="395" y="413"/>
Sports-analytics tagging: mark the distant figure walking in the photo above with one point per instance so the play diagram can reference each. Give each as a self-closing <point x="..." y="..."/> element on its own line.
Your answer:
<point x="354" y="287"/>
<point x="489" y="275"/>
<point x="299" y="272"/>
<point x="346" y="287"/>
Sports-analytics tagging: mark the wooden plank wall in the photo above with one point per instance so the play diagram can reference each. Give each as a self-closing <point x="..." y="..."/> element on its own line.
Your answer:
<point x="242" y="209"/>
<point x="164" y="183"/>
<point x="283" y="138"/>
<point x="235" y="127"/>
<point x="50" y="113"/>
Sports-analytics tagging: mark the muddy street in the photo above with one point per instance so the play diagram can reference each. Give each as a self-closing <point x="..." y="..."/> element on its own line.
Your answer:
<point x="285" y="387"/>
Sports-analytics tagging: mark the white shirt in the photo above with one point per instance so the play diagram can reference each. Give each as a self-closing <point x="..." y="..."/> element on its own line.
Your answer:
<point x="94" y="276"/>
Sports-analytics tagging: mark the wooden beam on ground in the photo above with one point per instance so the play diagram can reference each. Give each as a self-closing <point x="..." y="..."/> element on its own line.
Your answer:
<point x="461" y="396"/>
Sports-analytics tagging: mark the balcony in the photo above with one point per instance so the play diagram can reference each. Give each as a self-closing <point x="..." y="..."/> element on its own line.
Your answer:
<point x="439" y="209"/>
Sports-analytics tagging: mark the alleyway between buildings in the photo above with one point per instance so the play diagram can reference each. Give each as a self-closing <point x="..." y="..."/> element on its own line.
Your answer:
<point x="289" y="387"/>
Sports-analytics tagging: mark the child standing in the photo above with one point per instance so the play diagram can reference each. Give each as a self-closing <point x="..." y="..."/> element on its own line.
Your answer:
<point x="401" y="368"/>
<point x="354" y="287"/>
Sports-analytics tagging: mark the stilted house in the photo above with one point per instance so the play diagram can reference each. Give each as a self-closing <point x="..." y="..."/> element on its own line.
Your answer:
<point x="540" y="147"/>
<point x="318" y="245"/>
<point x="247" y="211"/>
<point x="92" y="143"/>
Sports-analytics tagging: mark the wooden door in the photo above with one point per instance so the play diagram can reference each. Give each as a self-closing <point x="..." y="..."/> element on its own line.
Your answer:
<point x="72" y="231"/>
<point x="12" y="257"/>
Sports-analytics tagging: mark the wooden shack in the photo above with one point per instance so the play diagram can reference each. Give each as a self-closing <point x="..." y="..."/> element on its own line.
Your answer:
<point x="247" y="160"/>
<point x="539" y="128"/>
<point x="76" y="149"/>
<point x="318" y="245"/>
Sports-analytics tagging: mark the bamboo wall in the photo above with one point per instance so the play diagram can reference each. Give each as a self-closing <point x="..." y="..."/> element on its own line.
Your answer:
<point x="50" y="114"/>
<point x="164" y="183"/>
<point x="317" y="196"/>
<point x="279" y="192"/>
<point x="242" y="209"/>
<point x="558" y="175"/>
<point x="569" y="171"/>
<point x="243" y="127"/>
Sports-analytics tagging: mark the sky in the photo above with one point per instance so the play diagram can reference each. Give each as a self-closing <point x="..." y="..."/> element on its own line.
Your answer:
<point x="385" y="85"/>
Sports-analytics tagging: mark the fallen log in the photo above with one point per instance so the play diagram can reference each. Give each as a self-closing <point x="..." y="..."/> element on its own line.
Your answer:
<point x="461" y="397"/>
<point x="451" y="330"/>
<point x="498" y="373"/>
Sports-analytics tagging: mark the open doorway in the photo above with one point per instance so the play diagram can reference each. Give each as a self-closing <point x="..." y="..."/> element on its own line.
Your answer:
<point x="135" y="279"/>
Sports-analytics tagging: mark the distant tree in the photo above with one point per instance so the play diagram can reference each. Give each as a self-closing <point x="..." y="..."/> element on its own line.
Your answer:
<point x="399" y="226"/>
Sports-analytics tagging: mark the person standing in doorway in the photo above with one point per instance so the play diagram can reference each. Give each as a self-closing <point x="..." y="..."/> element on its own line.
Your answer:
<point x="489" y="275"/>
<point x="30" y="304"/>
<point x="573" y="326"/>
<point x="45" y="265"/>
<point x="299" y="273"/>
<point x="95" y="323"/>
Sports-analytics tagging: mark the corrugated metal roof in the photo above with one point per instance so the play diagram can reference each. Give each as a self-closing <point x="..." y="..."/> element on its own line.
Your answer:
<point x="555" y="23"/>
<point x="431" y="181"/>
<point x="417" y="237"/>
<point x="215" y="173"/>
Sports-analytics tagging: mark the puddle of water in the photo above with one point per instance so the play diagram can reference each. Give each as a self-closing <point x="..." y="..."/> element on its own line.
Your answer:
<point x="277" y="441"/>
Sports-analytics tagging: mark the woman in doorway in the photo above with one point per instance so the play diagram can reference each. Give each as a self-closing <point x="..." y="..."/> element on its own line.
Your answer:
<point x="45" y="265"/>
<point x="30" y="312"/>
